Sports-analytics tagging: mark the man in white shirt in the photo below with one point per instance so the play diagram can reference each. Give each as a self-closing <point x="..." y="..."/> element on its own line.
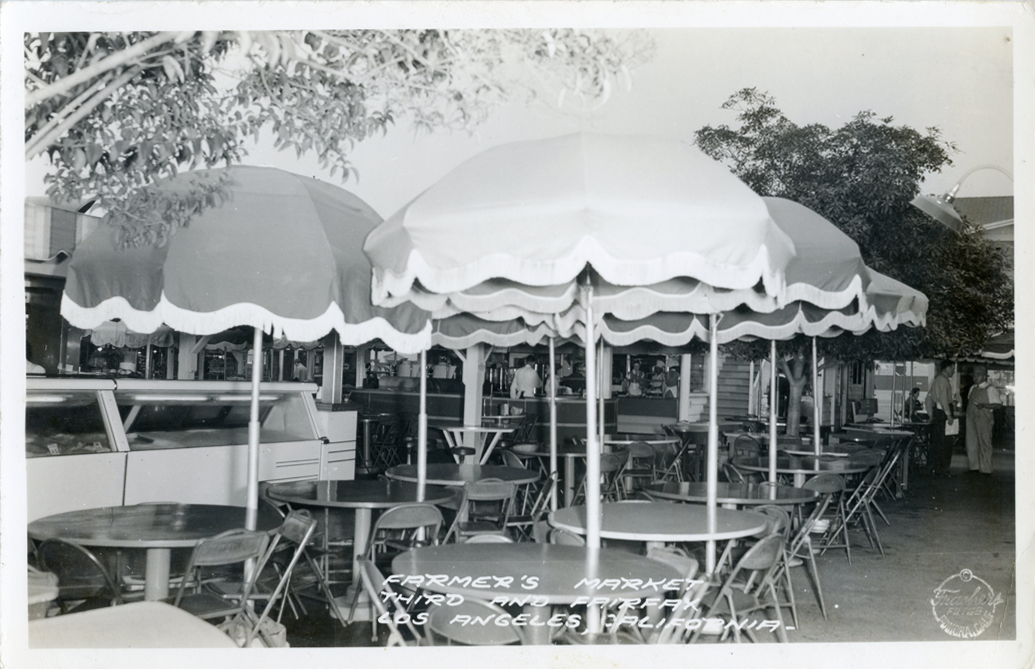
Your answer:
<point x="941" y="408"/>
<point x="526" y="381"/>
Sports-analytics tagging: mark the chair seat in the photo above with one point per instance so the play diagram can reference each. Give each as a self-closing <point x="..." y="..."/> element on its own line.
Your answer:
<point x="207" y="605"/>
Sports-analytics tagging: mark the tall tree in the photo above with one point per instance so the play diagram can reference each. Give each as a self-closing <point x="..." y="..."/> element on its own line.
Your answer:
<point x="862" y="177"/>
<point x="116" y="111"/>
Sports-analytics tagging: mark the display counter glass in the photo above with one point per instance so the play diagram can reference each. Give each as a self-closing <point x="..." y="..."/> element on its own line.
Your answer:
<point x="65" y="422"/>
<point x="158" y="420"/>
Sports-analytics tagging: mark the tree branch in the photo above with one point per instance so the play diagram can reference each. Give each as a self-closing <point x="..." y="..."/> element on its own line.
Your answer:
<point x="41" y="143"/>
<point x="65" y="110"/>
<point x="65" y="84"/>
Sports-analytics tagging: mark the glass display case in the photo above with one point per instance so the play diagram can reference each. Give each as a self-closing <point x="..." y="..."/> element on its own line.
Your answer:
<point x="65" y="421"/>
<point x="104" y="442"/>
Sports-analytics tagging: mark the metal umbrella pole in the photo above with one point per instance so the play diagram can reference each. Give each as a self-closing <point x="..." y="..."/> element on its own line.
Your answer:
<point x="816" y="399"/>
<point x="252" y="503"/>
<point x="774" y="406"/>
<point x="422" y="428"/>
<point x="713" y="442"/>
<point x="553" y="424"/>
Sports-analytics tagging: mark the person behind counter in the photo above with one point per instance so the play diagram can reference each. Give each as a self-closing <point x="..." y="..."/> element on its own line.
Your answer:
<point x="526" y="381"/>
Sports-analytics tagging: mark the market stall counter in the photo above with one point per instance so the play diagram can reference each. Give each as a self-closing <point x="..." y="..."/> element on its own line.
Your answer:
<point x="109" y="442"/>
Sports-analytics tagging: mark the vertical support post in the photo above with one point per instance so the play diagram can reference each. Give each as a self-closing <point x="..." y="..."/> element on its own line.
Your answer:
<point x="553" y="422"/>
<point x="817" y="399"/>
<point x="252" y="505"/>
<point x="333" y="369"/>
<point x="473" y="377"/>
<point x="685" y="365"/>
<point x="593" y="510"/>
<point x="774" y="407"/>
<point x="422" y="429"/>
<point x="713" y="440"/>
<point x="752" y="407"/>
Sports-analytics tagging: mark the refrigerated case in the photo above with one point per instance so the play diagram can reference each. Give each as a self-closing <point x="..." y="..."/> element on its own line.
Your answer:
<point x="102" y="442"/>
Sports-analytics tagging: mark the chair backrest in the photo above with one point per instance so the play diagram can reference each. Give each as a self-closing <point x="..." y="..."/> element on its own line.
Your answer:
<point x="612" y="462"/>
<point x="779" y="521"/>
<point x="674" y="557"/>
<point x="525" y="431"/>
<point x="541" y="531"/>
<point x="640" y="450"/>
<point x="512" y="460"/>
<point x="488" y="490"/>
<point x="230" y="547"/>
<point x="825" y="484"/>
<point x="81" y="575"/>
<point x="565" y="538"/>
<point x="488" y="539"/>
<point x="745" y="444"/>
<point x="407" y="522"/>
<point x="762" y="555"/>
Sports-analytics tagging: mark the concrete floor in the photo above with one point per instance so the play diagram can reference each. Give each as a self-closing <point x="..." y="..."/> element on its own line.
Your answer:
<point x="941" y="526"/>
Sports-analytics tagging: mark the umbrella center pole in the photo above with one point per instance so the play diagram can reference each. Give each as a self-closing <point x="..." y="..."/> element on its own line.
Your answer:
<point x="252" y="505"/>
<point x="713" y="440"/>
<point x="553" y="425"/>
<point x="774" y="406"/>
<point x="422" y="429"/>
<point x="593" y="511"/>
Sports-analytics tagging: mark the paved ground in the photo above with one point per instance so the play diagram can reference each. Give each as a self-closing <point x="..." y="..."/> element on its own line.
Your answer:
<point x="941" y="527"/>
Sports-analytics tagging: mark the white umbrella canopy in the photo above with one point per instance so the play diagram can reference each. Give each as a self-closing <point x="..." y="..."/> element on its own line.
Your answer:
<point x="826" y="271"/>
<point x="639" y="210"/>
<point x="280" y="254"/>
<point x="549" y="222"/>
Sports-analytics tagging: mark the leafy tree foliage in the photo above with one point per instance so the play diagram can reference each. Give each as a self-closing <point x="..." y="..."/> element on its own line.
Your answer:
<point x="116" y="111"/>
<point x="862" y="177"/>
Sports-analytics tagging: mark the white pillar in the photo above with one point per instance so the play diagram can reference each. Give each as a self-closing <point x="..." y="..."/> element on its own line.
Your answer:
<point x="473" y="377"/>
<point x="685" y="361"/>
<point x="333" y="369"/>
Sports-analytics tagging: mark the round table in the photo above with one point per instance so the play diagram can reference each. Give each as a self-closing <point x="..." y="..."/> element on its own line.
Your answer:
<point x="569" y="456"/>
<point x="456" y="475"/>
<point x="157" y="528"/>
<point x="133" y="625"/>
<point x="454" y="437"/>
<point x="731" y="495"/>
<point x="363" y="496"/>
<point x="557" y="570"/>
<point x="660" y="522"/>
<point x="803" y="466"/>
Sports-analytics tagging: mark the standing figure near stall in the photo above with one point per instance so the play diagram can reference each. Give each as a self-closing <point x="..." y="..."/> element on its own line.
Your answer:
<point x="634" y="384"/>
<point x="981" y="403"/>
<point x="526" y="381"/>
<point x="672" y="381"/>
<point x="940" y="407"/>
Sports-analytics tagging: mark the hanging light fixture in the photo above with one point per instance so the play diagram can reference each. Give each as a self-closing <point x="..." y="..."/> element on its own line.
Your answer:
<point x="941" y="207"/>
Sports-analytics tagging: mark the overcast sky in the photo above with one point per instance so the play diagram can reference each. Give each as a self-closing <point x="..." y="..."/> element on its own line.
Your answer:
<point x="956" y="79"/>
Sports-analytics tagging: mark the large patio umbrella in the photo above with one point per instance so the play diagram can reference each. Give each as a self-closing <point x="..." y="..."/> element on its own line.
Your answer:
<point x="564" y="214"/>
<point x="281" y="254"/>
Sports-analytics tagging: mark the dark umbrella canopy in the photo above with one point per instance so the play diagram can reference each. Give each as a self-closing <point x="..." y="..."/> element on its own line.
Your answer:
<point x="282" y="253"/>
